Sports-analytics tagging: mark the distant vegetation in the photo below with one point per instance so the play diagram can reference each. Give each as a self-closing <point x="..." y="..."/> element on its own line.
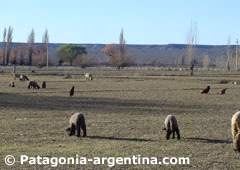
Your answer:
<point x="117" y="55"/>
<point x="72" y="53"/>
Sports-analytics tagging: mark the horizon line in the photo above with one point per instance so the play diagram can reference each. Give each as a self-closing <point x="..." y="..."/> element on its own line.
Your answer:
<point x="125" y="44"/>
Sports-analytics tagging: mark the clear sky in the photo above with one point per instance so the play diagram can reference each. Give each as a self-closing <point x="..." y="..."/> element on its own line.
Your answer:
<point x="143" y="21"/>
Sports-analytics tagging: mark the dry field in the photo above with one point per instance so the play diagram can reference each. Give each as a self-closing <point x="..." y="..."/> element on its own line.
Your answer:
<point x="124" y="112"/>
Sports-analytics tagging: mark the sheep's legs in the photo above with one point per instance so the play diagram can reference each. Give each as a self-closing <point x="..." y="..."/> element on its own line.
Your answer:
<point x="178" y="133"/>
<point x="84" y="131"/>
<point x="72" y="130"/>
<point x="168" y="134"/>
<point x="78" y="131"/>
<point x="173" y="135"/>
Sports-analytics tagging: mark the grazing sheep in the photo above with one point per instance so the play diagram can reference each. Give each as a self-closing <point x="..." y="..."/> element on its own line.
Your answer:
<point x="222" y="91"/>
<point x="16" y="75"/>
<point x="235" y="82"/>
<point x="206" y="90"/>
<point x="171" y="126"/>
<point x="11" y="84"/>
<point x="23" y="77"/>
<point x="88" y="76"/>
<point x="33" y="84"/>
<point x="71" y="92"/>
<point x="77" y="121"/>
<point x="44" y="84"/>
<point x="236" y="131"/>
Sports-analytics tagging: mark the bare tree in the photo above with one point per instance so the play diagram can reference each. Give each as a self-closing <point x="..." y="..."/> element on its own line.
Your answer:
<point x="9" y="44"/>
<point x="39" y="56"/>
<point x="30" y="46"/>
<point x="206" y="61"/>
<point x="18" y="55"/>
<point x="82" y="60"/>
<point x="4" y="46"/>
<point x="45" y="41"/>
<point x="191" y="47"/>
<point x="179" y="61"/>
<point x="117" y="53"/>
<point x="122" y="46"/>
<point x="228" y="61"/>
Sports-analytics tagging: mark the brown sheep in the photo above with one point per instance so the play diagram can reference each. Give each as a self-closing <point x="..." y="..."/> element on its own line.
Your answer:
<point x="88" y="76"/>
<point x="11" y="84"/>
<point x="236" y="131"/>
<point x="33" y="84"/>
<point x="16" y="75"/>
<point x="171" y="126"/>
<point x="77" y="121"/>
<point x="23" y="77"/>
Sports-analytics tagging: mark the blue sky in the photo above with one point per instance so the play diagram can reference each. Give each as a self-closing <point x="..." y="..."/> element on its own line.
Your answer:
<point x="143" y="21"/>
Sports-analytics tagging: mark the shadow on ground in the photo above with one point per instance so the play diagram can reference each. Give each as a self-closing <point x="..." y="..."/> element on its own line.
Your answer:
<point x="120" y="139"/>
<point x="204" y="140"/>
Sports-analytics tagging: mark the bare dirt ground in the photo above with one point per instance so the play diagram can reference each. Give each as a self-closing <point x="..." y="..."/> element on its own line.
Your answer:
<point x="124" y="112"/>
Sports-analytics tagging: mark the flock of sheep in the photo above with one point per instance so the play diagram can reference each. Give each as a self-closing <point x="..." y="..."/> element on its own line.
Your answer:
<point x="77" y="120"/>
<point x="31" y="84"/>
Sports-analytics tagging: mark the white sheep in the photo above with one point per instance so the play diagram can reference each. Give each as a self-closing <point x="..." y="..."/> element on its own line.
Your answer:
<point x="236" y="131"/>
<point x="88" y="76"/>
<point x="171" y="126"/>
<point x="76" y="122"/>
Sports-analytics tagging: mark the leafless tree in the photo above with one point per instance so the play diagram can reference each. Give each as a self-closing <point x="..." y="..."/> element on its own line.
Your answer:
<point x="9" y="44"/>
<point x="30" y="46"/>
<point x="117" y="53"/>
<point x="45" y="41"/>
<point x="179" y="59"/>
<point x="4" y="46"/>
<point x="220" y="63"/>
<point x="122" y="46"/>
<point x="81" y="60"/>
<point x="39" y="56"/>
<point x="206" y="61"/>
<point x="19" y="54"/>
<point x="228" y="61"/>
<point x="191" y="47"/>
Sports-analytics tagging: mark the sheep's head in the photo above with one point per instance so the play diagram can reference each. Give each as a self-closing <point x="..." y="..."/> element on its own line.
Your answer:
<point x="71" y="131"/>
<point x="236" y="143"/>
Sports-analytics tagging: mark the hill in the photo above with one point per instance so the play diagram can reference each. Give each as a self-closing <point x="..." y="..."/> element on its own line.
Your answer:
<point x="151" y="54"/>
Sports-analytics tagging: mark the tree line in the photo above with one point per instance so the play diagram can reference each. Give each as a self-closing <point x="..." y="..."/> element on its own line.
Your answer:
<point x="116" y="54"/>
<point x="38" y="55"/>
<point x="24" y="54"/>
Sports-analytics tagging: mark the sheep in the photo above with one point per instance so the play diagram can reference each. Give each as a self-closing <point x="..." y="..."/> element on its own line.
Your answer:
<point x="88" y="76"/>
<point x="23" y="77"/>
<point x="206" y="90"/>
<point x="11" y="84"/>
<point x="16" y="75"/>
<point x="171" y="126"/>
<point x="44" y="85"/>
<point x="236" y="131"/>
<point x="77" y="121"/>
<point x="71" y="92"/>
<point x="33" y="84"/>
